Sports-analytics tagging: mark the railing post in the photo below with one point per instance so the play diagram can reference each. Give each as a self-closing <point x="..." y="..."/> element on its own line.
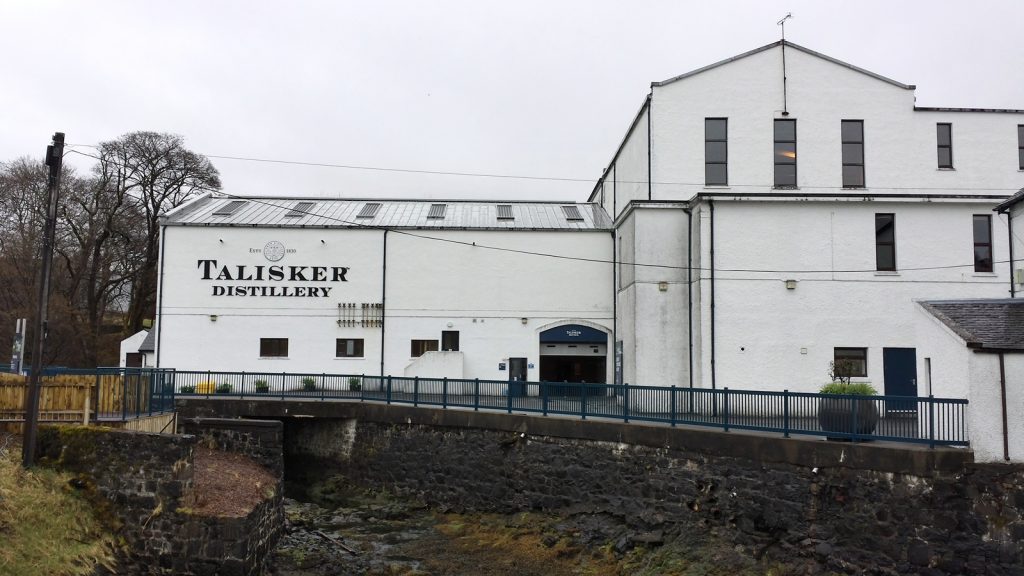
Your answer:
<point x="323" y="385"/>
<point x="725" y="409"/>
<point x="415" y="390"/>
<point x="97" y="418"/>
<point x="208" y="382"/>
<point x="444" y="393"/>
<point x="362" y="387"/>
<point x="388" y="396"/>
<point x="785" y="413"/>
<point x="672" y="408"/>
<point x="544" y="397"/>
<point x="282" y="385"/>
<point x="508" y="396"/>
<point x="625" y="403"/>
<point x="931" y="421"/>
<point x="241" y="387"/>
<point x="476" y="394"/>
<point x="854" y="427"/>
<point x="124" y="397"/>
<point x="583" y="401"/>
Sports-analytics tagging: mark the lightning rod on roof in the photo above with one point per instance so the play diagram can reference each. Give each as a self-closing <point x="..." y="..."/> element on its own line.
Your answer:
<point x="785" y="99"/>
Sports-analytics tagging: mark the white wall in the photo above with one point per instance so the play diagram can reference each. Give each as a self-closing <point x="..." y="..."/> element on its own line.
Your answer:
<point x="431" y="286"/>
<point x="770" y="337"/>
<point x="131" y="345"/>
<point x="628" y="174"/>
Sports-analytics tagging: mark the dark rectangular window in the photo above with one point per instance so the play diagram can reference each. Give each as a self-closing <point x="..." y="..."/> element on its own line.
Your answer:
<point x="230" y="208"/>
<point x="572" y="214"/>
<point x="716" y="152"/>
<point x="944" y="138"/>
<point x="505" y="212"/>
<point x="273" y="347"/>
<point x="982" y="243"/>
<point x="851" y="362"/>
<point x="1020" y="146"/>
<point x="437" y="211"/>
<point x="421" y="346"/>
<point x="852" y="134"/>
<point x="369" y="210"/>
<point x="300" y="209"/>
<point x="785" y="153"/>
<point x="885" y="242"/>
<point x="348" y="348"/>
<point x="450" y="340"/>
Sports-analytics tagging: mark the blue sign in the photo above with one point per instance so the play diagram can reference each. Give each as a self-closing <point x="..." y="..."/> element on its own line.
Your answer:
<point x="574" y="334"/>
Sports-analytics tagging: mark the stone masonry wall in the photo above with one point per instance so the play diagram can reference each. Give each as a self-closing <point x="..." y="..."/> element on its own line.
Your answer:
<point x="838" y="518"/>
<point x="261" y="440"/>
<point x="143" y="484"/>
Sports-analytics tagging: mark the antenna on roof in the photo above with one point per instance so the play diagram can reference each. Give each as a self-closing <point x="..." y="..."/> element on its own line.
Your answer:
<point x="783" y="23"/>
<point x="785" y="100"/>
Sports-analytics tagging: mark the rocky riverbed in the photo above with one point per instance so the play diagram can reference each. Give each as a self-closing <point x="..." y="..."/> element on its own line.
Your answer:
<point x="335" y="528"/>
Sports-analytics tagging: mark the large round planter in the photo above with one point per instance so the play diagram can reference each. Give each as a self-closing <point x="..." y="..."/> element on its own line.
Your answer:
<point x="836" y="415"/>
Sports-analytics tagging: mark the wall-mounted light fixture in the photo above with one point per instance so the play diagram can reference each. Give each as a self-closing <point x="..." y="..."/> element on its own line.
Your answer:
<point x="791" y="284"/>
<point x="213" y="317"/>
<point x="663" y="286"/>
<point x="524" y="320"/>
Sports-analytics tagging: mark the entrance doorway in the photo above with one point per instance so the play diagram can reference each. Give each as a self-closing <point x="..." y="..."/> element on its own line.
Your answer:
<point x="573" y="353"/>
<point x="517" y="376"/>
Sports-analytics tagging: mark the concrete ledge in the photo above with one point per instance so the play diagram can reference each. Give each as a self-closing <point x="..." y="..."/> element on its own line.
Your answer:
<point x="768" y="448"/>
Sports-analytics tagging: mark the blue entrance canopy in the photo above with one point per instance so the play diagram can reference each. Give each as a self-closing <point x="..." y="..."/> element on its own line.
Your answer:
<point x="573" y="333"/>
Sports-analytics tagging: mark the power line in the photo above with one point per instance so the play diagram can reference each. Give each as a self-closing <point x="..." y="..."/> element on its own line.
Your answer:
<point x="539" y="178"/>
<point x="363" y="225"/>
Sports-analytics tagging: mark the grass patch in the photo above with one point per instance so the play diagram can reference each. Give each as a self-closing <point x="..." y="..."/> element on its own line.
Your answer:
<point x="45" y="526"/>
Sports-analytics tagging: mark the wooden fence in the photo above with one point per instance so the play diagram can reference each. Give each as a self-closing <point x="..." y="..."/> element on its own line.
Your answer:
<point x="78" y="397"/>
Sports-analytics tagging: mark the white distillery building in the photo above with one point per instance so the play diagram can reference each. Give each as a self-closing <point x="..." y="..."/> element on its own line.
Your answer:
<point x="762" y="217"/>
<point x="490" y="290"/>
<point x="781" y="209"/>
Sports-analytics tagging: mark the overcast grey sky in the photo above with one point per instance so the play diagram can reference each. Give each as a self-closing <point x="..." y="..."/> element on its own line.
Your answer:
<point x="536" y="88"/>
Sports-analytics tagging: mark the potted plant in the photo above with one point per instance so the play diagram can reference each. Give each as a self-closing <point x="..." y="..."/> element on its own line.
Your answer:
<point x="188" y="389"/>
<point x="837" y="413"/>
<point x="261" y="386"/>
<point x="309" y="383"/>
<point x="223" y="388"/>
<point x="355" y="384"/>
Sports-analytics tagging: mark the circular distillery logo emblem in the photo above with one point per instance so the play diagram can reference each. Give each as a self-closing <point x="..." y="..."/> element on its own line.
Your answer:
<point x="274" y="250"/>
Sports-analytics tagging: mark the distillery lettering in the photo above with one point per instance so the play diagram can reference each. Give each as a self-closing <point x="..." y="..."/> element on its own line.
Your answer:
<point x="244" y="273"/>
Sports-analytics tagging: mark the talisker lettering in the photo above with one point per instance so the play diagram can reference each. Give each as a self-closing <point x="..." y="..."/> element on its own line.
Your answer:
<point x="211" y="270"/>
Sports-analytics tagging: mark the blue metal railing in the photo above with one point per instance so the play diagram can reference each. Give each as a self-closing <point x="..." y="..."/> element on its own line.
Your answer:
<point x="926" y="420"/>
<point x="122" y="394"/>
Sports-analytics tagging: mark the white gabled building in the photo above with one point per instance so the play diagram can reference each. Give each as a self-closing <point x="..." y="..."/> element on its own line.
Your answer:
<point x="780" y="209"/>
<point x="763" y="216"/>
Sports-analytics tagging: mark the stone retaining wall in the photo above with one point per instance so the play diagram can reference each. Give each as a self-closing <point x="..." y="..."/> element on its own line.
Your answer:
<point x="261" y="440"/>
<point x="143" y="486"/>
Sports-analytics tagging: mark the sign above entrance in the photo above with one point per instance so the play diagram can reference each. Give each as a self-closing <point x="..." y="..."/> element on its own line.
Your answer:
<point x="574" y="333"/>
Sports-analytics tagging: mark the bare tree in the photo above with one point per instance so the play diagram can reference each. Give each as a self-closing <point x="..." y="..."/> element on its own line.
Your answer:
<point x="157" y="173"/>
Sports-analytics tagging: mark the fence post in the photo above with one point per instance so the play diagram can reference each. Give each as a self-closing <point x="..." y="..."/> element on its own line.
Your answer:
<point x="583" y="401"/>
<point x="785" y="413"/>
<point x="323" y="385"/>
<point x="208" y="384"/>
<point x="931" y="421"/>
<point x="282" y="385"/>
<point x="625" y="403"/>
<point x="415" y="390"/>
<point x="725" y="409"/>
<point x="389" y="389"/>
<point x="97" y="417"/>
<point x="241" y="386"/>
<point x="544" y="397"/>
<point x="672" y="408"/>
<point x="362" y="387"/>
<point x="476" y="394"/>
<point x="444" y="393"/>
<point x="508" y="396"/>
<point x="124" y="397"/>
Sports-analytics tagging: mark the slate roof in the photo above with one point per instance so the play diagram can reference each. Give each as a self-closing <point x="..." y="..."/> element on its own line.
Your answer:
<point x="1018" y="197"/>
<point x="149" y="344"/>
<point x="393" y="213"/>
<point x="986" y="324"/>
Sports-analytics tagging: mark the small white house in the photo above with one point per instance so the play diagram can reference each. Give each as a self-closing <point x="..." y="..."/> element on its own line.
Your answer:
<point x="137" y="350"/>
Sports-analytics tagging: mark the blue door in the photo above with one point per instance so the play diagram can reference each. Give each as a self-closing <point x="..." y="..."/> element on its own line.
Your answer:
<point x="900" y="367"/>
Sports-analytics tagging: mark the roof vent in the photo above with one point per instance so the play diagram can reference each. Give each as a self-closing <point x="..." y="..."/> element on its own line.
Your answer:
<point x="572" y="213"/>
<point x="299" y="210"/>
<point x="437" y="211"/>
<point x="505" y="212"/>
<point x="230" y="208"/>
<point x="369" y="210"/>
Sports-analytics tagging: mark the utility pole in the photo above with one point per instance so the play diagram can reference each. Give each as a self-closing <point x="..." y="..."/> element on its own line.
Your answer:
<point x="54" y="159"/>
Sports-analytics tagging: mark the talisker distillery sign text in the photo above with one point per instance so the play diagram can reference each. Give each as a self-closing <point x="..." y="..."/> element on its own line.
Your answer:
<point x="212" y="271"/>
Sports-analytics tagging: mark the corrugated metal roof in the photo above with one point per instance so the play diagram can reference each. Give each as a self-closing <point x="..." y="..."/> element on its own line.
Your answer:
<point x="350" y="213"/>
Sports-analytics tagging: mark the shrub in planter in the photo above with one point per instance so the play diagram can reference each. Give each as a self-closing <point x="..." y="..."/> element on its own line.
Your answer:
<point x="261" y="386"/>
<point x="188" y="389"/>
<point x="837" y="414"/>
<point x="309" y="383"/>
<point x="223" y="388"/>
<point x="355" y="384"/>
